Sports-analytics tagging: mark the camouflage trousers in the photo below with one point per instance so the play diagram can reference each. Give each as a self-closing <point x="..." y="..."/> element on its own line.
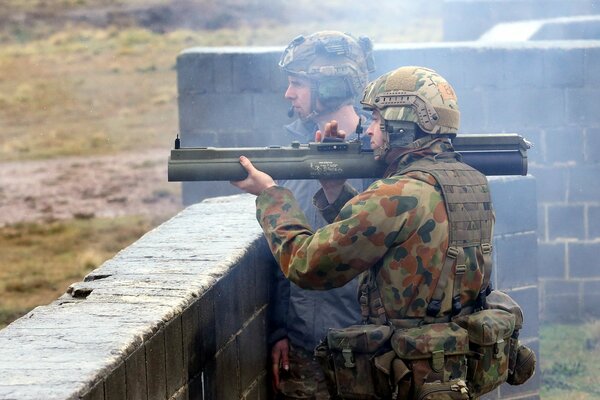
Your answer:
<point x="305" y="379"/>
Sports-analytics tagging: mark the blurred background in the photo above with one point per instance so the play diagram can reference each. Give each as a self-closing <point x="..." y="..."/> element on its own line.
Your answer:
<point x="88" y="113"/>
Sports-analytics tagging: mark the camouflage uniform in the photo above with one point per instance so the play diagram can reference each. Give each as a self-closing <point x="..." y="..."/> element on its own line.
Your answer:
<point x="399" y="223"/>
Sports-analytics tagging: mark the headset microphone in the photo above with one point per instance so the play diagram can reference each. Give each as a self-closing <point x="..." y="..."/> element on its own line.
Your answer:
<point x="290" y="112"/>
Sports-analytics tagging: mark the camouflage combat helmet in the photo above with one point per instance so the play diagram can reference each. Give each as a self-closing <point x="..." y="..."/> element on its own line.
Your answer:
<point x="410" y="96"/>
<point x="336" y="64"/>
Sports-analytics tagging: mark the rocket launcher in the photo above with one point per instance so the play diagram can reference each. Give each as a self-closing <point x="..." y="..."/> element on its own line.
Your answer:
<point x="491" y="154"/>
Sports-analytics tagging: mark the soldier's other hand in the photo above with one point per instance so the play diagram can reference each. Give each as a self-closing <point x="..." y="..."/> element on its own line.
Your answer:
<point x="256" y="182"/>
<point x="331" y="131"/>
<point x="280" y="356"/>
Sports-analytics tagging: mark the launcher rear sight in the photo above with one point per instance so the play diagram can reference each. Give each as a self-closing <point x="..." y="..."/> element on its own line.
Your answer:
<point x="492" y="154"/>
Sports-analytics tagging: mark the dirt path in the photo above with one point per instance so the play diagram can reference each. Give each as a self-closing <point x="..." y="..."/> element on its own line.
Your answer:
<point x="86" y="187"/>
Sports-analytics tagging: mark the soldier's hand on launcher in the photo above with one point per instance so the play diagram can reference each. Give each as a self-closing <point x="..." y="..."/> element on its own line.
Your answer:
<point x="256" y="182"/>
<point x="331" y="187"/>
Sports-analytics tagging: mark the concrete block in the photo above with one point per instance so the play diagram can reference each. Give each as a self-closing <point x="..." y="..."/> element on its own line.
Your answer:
<point x="135" y="367"/>
<point x="473" y="113"/>
<point x="583" y="259"/>
<point x="551" y="183"/>
<point x="591" y="60"/>
<point x="582" y="106"/>
<point x="542" y="223"/>
<point x="194" y="389"/>
<point x="516" y="260"/>
<point x="245" y="289"/>
<point x="564" y="144"/>
<point x="564" y="67"/>
<point x="252" y="72"/>
<point x="565" y="222"/>
<point x="552" y="260"/>
<point x="451" y="63"/>
<point x="264" y="267"/>
<point x="227" y="375"/>
<point x="209" y="379"/>
<point x="583" y="184"/>
<point x="95" y="393"/>
<point x="228" y="320"/>
<point x="156" y="367"/>
<point x="176" y="376"/>
<point x="192" y="331"/>
<point x="259" y="389"/>
<point x="522" y="68"/>
<point x="481" y="68"/>
<point x="561" y="301"/>
<point x="223" y="72"/>
<point x="252" y="347"/>
<point x="593" y="222"/>
<point x="208" y="342"/>
<point x="591" y="144"/>
<point x="591" y="299"/>
<point x="115" y="385"/>
<point x="515" y="204"/>
<point x="195" y="73"/>
<point x="270" y="113"/>
<point x="214" y="112"/>
<point x="513" y="109"/>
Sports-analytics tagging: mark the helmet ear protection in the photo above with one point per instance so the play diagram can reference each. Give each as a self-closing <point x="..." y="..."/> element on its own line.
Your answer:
<point x="333" y="91"/>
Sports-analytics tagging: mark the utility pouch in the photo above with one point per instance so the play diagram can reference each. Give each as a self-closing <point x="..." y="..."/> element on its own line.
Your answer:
<point x="349" y="356"/>
<point x="434" y="353"/>
<point x="524" y="366"/>
<point x="489" y="340"/>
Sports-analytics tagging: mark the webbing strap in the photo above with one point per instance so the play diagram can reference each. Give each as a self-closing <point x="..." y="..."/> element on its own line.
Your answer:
<point x="486" y="250"/>
<point x="435" y="305"/>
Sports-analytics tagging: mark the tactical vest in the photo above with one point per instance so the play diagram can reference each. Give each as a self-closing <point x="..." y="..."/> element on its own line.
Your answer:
<point x="468" y="204"/>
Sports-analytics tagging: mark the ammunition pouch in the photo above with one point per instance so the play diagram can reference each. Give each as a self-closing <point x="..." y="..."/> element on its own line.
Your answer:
<point x="490" y="332"/>
<point x="356" y="361"/>
<point x="436" y="355"/>
<point x="521" y="358"/>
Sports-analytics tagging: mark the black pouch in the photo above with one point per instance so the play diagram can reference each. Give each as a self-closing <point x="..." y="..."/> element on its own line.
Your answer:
<point x="348" y="358"/>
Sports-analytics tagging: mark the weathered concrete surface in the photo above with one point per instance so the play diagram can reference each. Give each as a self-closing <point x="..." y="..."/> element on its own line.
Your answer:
<point x="64" y="349"/>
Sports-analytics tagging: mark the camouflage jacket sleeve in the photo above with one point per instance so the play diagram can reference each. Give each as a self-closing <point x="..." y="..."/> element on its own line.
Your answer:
<point x="364" y="230"/>
<point x="330" y="211"/>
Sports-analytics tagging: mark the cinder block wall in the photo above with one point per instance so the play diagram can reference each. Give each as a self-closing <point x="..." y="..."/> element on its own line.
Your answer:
<point x="469" y="19"/>
<point x="180" y="314"/>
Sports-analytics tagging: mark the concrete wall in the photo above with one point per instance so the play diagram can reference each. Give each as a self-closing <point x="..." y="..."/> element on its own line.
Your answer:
<point x="469" y="19"/>
<point x="180" y="314"/>
<point x="546" y="91"/>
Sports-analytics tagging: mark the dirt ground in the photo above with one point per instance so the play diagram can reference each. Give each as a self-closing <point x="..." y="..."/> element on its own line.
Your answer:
<point x="87" y="187"/>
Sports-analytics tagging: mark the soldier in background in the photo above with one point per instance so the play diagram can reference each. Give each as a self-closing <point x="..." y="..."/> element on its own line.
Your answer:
<point x="327" y="73"/>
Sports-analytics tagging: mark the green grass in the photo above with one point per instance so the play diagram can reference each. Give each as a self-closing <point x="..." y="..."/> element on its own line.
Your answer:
<point x="569" y="361"/>
<point x="39" y="261"/>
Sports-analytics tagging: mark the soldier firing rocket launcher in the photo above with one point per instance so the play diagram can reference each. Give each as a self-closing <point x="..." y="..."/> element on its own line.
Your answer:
<point x="491" y="154"/>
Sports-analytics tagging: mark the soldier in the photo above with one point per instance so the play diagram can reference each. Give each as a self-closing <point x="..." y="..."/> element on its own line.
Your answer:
<point x="327" y="73"/>
<point x="420" y="237"/>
